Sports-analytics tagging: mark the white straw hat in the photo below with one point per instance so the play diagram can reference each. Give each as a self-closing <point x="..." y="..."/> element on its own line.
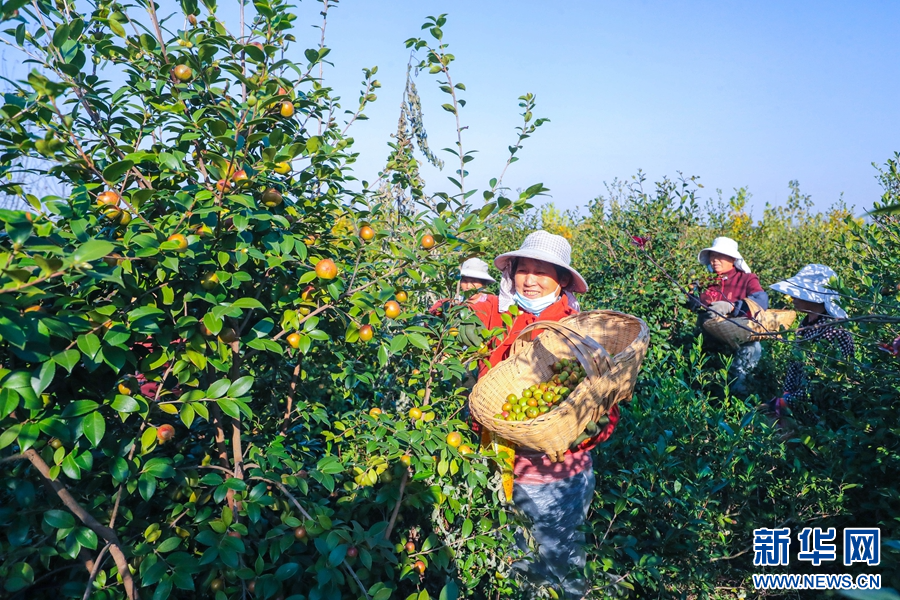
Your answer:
<point x="728" y="247"/>
<point x="811" y="284"/>
<point x="554" y="249"/>
<point x="476" y="269"/>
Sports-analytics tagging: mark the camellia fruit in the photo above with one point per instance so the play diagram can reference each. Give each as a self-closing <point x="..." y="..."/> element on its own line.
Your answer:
<point x="352" y="552"/>
<point x="326" y="269"/>
<point x="401" y="296"/>
<point x="375" y="412"/>
<point x="183" y="72"/>
<point x="410" y="547"/>
<point x="419" y="567"/>
<point x="465" y="450"/>
<point x="228" y="335"/>
<point x="366" y="333"/>
<point x="216" y="585"/>
<point x="366" y="232"/>
<point x="272" y="198"/>
<point x="415" y="413"/>
<point x="454" y="438"/>
<point x="240" y="176"/>
<point x="293" y="340"/>
<point x="180" y="240"/>
<point x="164" y="433"/>
<point x="56" y="443"/>
<point x="113" y="214"/>
<point x="286" y="110"/>
<point x="300" y="533"/>
<point x="406" y="460"/>
<point x="108" y="198"/>
<point x="392" y="310"/>
<point x="427" y="241"/>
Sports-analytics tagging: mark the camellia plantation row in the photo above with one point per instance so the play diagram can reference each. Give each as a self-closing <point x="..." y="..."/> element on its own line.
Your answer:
<point x="220" y="378"/>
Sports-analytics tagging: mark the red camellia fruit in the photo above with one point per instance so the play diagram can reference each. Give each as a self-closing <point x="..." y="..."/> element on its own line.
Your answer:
<point x="352" y="552"/>
<point x="366" y="333"/>
<point x="366" y="232"/>
<point x="164" y="433"/>
<point x="391" y="309"/>
<point x="300" y="533"/>
<point x="419" y="567"/>
<point x="326" y="269"/>
<point x="428" y="241"/>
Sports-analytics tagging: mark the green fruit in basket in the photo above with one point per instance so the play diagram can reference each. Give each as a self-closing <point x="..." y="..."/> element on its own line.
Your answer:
<point x="521" y="416"/>
<point x="532" y="402"/>
<point x="523" y="401"/>
<point x="506" y="406"/>
<point x="511" y="398"/>
<point x="543" y="409"/>
<point x="526" y="394"/>
<point x="498" y="416"/>
<point x="532" y="412"/>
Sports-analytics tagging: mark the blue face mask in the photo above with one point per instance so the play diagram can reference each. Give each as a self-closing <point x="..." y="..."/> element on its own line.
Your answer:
<point x="536" y="305"/>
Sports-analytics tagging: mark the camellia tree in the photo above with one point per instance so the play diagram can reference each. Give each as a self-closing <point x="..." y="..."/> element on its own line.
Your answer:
<point x="218" y="377"/>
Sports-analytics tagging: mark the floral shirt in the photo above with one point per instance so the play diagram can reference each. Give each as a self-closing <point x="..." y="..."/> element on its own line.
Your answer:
<point x="823" y="329"/>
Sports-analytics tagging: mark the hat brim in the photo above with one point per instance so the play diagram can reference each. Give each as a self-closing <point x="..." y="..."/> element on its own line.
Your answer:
<point x="476" y="275"/>
<point x="811" y="292"/>
<point x="578" y="285"/>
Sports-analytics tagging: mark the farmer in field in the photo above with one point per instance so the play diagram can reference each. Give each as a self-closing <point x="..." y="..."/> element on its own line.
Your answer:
<point x="554" y="497"/>
<point x="727" y="296"/>
<point x="473" y="277"/>
<point x="809" y="292"/>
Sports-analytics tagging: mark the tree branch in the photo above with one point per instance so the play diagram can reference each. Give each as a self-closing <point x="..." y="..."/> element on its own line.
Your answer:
<point x="115" y="546"/>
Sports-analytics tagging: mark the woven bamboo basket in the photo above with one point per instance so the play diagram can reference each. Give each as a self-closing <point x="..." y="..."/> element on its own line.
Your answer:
<point x="740" y="330"/>
<point x="609" y="345"/>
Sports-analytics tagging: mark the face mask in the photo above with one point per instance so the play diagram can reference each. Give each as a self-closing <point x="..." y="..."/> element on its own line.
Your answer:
<point x="537" y="305"/>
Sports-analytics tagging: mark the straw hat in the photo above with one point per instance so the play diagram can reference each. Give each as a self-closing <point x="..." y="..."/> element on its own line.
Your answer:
<point x="476" y="269"/>
<point x="811" y="284"/>
<point x="728" y="247"/>
<point x="554" y="249"/>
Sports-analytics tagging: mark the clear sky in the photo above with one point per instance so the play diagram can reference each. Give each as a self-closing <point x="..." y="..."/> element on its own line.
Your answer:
<point x="738" y="93"/>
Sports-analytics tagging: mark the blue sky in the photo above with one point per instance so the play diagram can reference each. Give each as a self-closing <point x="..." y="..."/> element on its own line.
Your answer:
<point x="740" y="94"/>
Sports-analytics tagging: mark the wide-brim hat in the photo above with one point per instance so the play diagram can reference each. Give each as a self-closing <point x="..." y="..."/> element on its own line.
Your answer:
<point x="728" y="247"/>
<point x="545" y="246"/>
<point x="476" y="269"/>
<point x="811" y="284"/>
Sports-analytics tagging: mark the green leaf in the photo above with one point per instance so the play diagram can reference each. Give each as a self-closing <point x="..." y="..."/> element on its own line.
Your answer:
<point x="125" y="404"/>
<point x="59" y="519"/>
<point x="450" y="591"/>
<point x="113" y="172"/>
<point x="79" y="407"/>
<point x="67" y="359"/>
<point x="9" y="401"/>
<point x="286" y="571"/>
<point x="218" y="389"/>
<point x="467" y="528"/>
<point x="418" y="340"/>
<point x="229" y="407"/>
<point x="159" y="467"/>
<point x="94" y="428"/>
<point x="92" y="250"/>
<point x="89" y="344"/>
<point x="169" y="544"/>
<point x="86" y="537"/>
<point x="240" y="386"/>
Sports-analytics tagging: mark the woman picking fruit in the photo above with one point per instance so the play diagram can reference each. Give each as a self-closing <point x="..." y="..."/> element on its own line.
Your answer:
<point x="474" y="277"/>
<point x="809" y="292"/>
<point x="554" y="497"/>
<point x="728" y="296"/>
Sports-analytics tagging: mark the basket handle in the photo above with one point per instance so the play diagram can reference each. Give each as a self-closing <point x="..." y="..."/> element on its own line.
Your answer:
<point x="590" y="353"/>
